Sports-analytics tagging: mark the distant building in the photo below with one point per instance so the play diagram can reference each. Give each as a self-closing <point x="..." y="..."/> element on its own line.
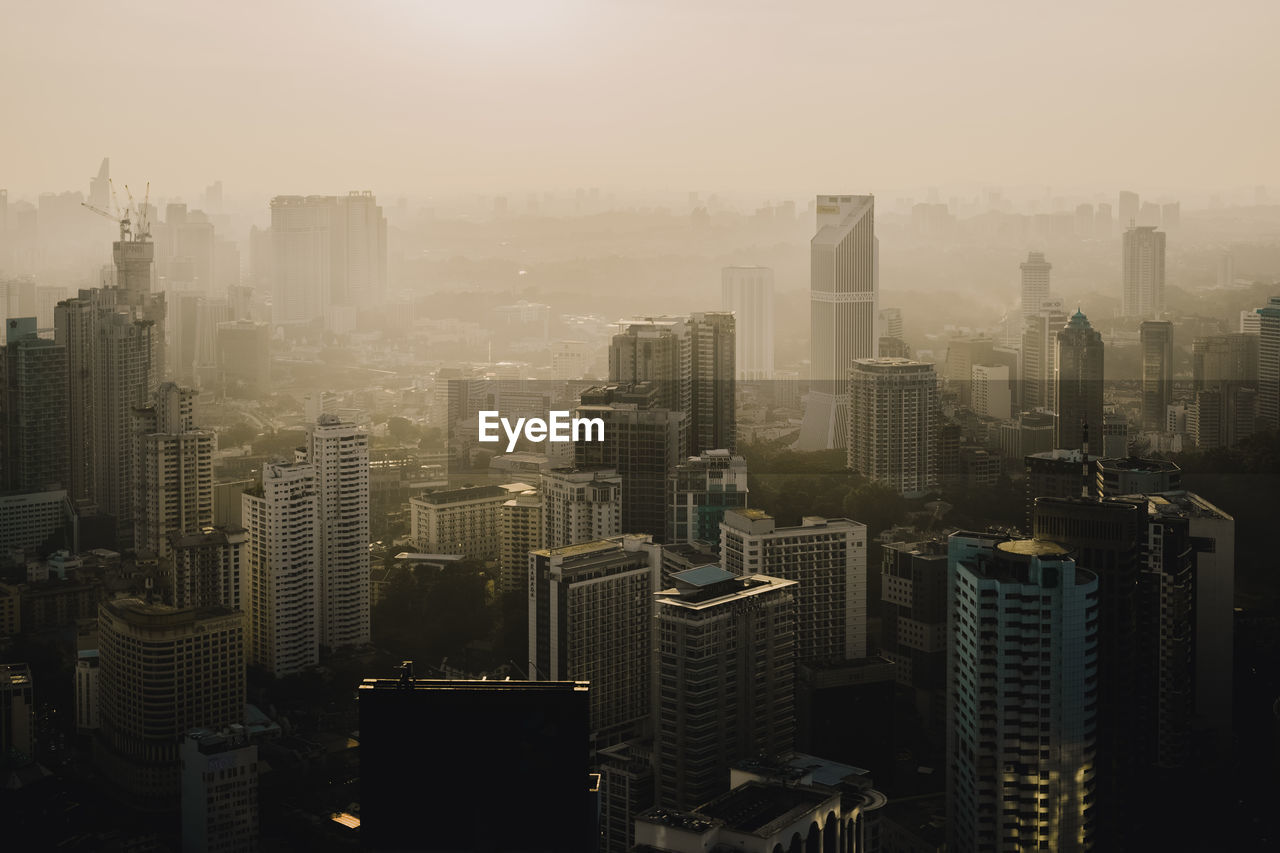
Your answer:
<point x="1130" y="475"/>
<point x="519" y="532"/>
<point x="1079" y="384"/>
<point x="1040" y="356"/>
<point x="1269" y="364"/>
<point x="1144" y="249"/>
<point x="173" y="489"/>
<point x="990" y="384"/>
<point x="747" y="292"/>
<point x="33" y="410"/>
<point x="700" y="490"/>
<point x="893" y="418"/>
<point x="1035" y="284"/>
<point x="460" y="521"/>
<point x="580" y="505"/>
<point x="1157" y="373"/>
<point x="17" y="715"/>
<point x="207" y="568"/>
<point x="244" y="358"/>
<point x="913" y="590"/>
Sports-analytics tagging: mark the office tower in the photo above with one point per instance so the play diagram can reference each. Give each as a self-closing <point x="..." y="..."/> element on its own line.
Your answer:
<point x="219" y="791"/>
<point x="1250" y="322"/>
<point x="1079" y="384"/>
<point x="893" y="422"/>
<point x="206" y="568"/>
<point x="590" y="615"/>
<point x="1107" y="538"/>
<point x="519" y="532"/>
<point x="1021" y="717"/>
<point x="460" y="521"/>
<point x="826" y="557"/>
<point x="173" y="484"/>
<point x="535" y="731"/>
<point x="1128" y="209"/>
<point x="244" y="358"/>
<point x="690" y="361"/>
<point x="1269" y="364"/>
<point x="580" y="505"/>
<point x="164" y="671"/>
<point x="913" y="605"/>
<point x="642" y="442"/>
<point x="1035" y="284"/>
<point x="1224" y="371"/>
<point x="962" y="355"/>
<point x="17" y="715"/>
<point x="1157" y="372"/>
<point x="282" y="568"/>
<point x="1059" y="473"/>
<point x="747" y="292"/>
<point x="339" y="453"/>
<point x="210" y="314"/>
<point x="1040" y="356"/>
<point x="844" y="274"/>
<point x="699" y="491"/>
<point x="329" y="256"/>
<point x="890" y="321"/>
<point x="725" y="676"/>
<point x="990" y="392"/>
<point x="1143" y="272"/>
<point x="33" y="410"/>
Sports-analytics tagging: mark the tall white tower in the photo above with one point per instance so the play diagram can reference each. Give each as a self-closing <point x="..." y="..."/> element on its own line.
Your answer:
<point x="748" y="293"/>
<point x="844" y="290"/>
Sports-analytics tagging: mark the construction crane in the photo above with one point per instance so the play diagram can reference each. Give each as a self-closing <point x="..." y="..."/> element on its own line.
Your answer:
<point x="125" y="216"/>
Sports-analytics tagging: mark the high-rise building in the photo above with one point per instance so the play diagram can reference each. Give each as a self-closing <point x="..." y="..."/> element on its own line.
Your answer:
<point x="1143" y="272"/>
<point x="1224" y="370"/>
<point x="519" y="532"/>
<point x="826" y="557"/>
<point x="282" y="568"/>
<point x="962" y="354"/>
<point x="244" y="358"/>
<point x="1040" y="356"/>
<point x="747" y="292"/>
<point x="460" y="521"/>
<point x="725" y="675"/>
<point x="890" y="321"/>
<point x="642" y="442"/>
<point x="339" y="453"/>
<point x="329" y="256"/>
<point x="33" y="410"/>
<point x="1078" y="384"/>
<point x="1134" y="476"/>
<point x="219" y="791"/>
<point x="913" y="606"/>
<point x="163" y="672"/>
<point x="1250" y="322"/>
<point x="173" y="486"/>
<point x="590" y="619"/>
<point x="17" y="715"/>
<point x="844" y="271"/>
<point x="700" y="490"/>
<point x="1021" y="711"/>
<point x="206" y="568"/>
<point x="1035" y="284"/>
<point x="690" y="361"/>
<point x="1157" y="373"/>
<point x="580" y="505"/>
<point x="893" y="422"/>
<point x="1128" y="209"/>
<point x="991" y="395"/>
<point x="1269" y="364"/>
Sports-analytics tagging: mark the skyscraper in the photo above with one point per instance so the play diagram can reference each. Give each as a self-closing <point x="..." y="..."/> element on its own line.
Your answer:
<point x="1143" y="272"/>
<point x="844" y="270"/>
<point x="1040" y="356"/>
<point x="748" y="293"/>
<point x="219" y="791"/>
<point x="580" y="505"/>
<point x="282" y="568"/>
<point x="700" y="490"/>
<point x="725" y="659"/>
<point x="1079" y="384"/>
<point x="590" y="619"/>
<point x="1269" y="364"/>
<point x="173" y="488"/>
<point x="329" y="256"/>
<point x="207" y="568"/>
<point x="1035" y="284"/>
<point x="339" y="454"/>
<point x="519" y="532"/>
<point x="33" y="410"/>
<point x="1157" y="373"/>
<point x="163" y="672"/>
<point x="913" y="605"/>
<point x="893" y="422"/>
<point x="826" y="557"/>
<point x="1128" y="208"/>
<point x="1021" y="714"/>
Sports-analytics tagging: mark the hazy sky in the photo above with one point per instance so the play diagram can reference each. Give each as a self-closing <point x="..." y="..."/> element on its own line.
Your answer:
<point x="509" y="95"/>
